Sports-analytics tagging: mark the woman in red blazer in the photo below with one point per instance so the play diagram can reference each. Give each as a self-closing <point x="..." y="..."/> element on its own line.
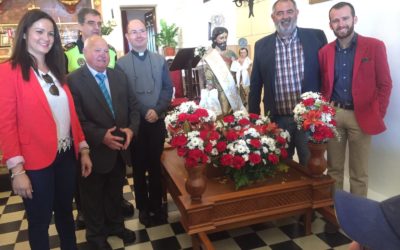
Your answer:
<point x="40" y="134"/>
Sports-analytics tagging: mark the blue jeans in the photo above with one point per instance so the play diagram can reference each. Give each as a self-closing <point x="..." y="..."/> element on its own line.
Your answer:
<point x="53" y="189"/>
<point x="298" y="139"/>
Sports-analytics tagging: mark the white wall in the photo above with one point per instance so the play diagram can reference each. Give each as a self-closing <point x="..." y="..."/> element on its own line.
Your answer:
<point x="192" y="16"/>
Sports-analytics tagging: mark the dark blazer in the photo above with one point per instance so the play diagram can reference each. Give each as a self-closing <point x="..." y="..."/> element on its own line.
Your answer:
<point x="371" y="84"/>
<point x="263" y="72"/>
<point x="95" y="115"/>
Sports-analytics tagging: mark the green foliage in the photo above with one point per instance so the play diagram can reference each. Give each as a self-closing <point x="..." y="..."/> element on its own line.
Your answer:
<point x="167" y="35"/>
<point x="107" y="28"/>
<point x="250" y="174"/>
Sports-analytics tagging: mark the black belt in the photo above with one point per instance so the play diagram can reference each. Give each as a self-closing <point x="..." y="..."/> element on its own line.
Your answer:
<point x="342" y="105"/>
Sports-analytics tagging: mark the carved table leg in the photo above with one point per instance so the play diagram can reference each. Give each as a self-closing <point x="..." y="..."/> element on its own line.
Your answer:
<point x="307" y="221"/>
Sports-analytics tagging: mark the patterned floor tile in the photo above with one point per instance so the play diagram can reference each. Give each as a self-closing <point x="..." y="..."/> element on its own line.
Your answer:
<point x="285" y="234"/>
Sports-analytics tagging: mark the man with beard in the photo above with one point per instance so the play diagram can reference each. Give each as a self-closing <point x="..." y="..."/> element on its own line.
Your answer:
<point x="219" y="60"/>
<point x="356" y="79"/>
<point x="286" y="65"/>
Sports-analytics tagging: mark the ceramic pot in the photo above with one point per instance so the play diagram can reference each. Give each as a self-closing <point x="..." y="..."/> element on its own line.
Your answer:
<point x="196" y="182"/>
<point x="317" y="163"/>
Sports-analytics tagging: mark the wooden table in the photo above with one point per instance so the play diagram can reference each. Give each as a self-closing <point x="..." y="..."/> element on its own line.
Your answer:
<point x="222" y="207"/>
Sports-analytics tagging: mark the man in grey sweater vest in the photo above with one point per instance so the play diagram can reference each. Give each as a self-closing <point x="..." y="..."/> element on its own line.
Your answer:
<point x="148" y="75"/>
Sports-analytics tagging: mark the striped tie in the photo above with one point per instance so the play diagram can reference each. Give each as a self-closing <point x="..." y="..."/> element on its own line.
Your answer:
<point x="100" y="79"/>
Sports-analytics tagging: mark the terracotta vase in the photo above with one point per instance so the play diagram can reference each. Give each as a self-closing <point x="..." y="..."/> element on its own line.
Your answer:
<point x="196" y="182"/>
<point x="169" y="51"/>
<point x="317" y="163"/>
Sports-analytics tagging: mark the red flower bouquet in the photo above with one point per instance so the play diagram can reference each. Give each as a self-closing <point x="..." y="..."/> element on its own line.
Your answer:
<point x="315" y="116"/>
<point x="191" y="130"/>
<point x="250" y="147"/>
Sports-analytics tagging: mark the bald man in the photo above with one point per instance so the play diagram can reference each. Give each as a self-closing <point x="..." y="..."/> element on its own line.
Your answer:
<point x="110" y="119"/>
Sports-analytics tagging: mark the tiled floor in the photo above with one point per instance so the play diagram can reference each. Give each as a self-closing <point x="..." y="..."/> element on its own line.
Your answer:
<point x="285" y="234"/>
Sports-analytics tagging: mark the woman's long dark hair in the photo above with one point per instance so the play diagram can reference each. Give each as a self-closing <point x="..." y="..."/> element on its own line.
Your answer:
<point x="20" y="56"/>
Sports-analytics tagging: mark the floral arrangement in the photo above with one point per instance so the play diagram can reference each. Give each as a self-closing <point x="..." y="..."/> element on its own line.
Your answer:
<point x="250" y="147"/>
<point x="200" y="51"/>
<point x="315" y="116"/>
<point x="191" y="130"/>
<point x="108" y="27"/>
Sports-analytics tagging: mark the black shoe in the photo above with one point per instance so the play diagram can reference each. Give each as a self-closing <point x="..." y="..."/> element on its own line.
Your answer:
<point x="159" y="217"/>
<point x="329" y="228"/>
<point x="144" y="218"/>
<point x="128" y="236"/>
<point x="127" y="208"/>
<point x="102" y="245"/>
<point x="80" y="221"/>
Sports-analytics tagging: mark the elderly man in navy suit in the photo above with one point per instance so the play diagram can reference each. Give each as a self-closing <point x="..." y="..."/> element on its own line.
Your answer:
<point x="286" y="65"/>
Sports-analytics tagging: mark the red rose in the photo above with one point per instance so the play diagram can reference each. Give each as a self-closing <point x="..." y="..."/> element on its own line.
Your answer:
<point x="231" y="135"/>
<point x="179" y="141"/>
<point x="284" y="153"/>
<point x="226" y="160"/>
<point x="208" y="148"/>
<point x="195" y="153"/>
<point x="229" y="119"/>
<point x="309" y="102"/>
<point x="201" y="112"/>
<point x="203" y="134"/>
<point x="214" y="135"/>
<point x="182" y="117"/>
<point x="256" y="143"/>
<point x="204" y="159"/>
<point x="238" y="162"/>
<point x="254" y="158"/>
<point x="254" y="116"/>
<point x="273" y="158"/>
<point x="281" y="140"/>
<point x="193" y="118"/>
<point x="221" y="146"/>
<point x="244" y="122"/>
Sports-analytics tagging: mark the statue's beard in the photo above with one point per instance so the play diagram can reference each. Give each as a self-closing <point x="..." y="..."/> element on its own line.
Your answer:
<point x="222" y="46"/>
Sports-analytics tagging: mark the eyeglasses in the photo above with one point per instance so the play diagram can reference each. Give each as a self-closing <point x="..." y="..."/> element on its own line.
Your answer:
<point x="53" y="88"/>
<point x="94" y="23"/>
<point x="137" y="32"/>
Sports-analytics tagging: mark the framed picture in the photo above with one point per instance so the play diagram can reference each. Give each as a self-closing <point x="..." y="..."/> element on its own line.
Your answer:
<point x="5" y="41"/>
<point x="5" y="52"/>
<point x="317" y="1"/>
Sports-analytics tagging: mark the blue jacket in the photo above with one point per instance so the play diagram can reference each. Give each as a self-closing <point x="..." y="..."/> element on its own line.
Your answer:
<point x="263" y="73"/>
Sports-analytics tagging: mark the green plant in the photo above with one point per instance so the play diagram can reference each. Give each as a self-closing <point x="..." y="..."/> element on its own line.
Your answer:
<point x="167" y="35"/>
<point x="107" y="28"/>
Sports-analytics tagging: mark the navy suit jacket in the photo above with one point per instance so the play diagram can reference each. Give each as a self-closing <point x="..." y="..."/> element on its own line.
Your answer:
<point x="263" y="73"/>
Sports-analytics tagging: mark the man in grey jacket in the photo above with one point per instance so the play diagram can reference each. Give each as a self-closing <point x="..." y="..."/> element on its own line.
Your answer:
<point x="149" y="78"/>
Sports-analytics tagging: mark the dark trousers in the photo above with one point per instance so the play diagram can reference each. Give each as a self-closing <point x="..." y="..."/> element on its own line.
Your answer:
<point x="101" y="202"/>
<point x="298" y="139"/>
<point x="146" y="153"/>
<point x="53" y="189"/>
